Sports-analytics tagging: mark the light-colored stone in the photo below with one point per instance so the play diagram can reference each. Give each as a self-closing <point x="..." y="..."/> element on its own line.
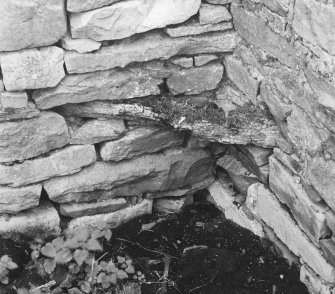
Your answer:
<point x="330" y="218"/>
<point x="241" y="176"/>
<point x="31" y="23"/>
<point x="195" y="80"/>
<point x="83" y="209"/>
<point x="213" y="14"/>
<point x="257" y="33"/>
<point x="279" y="108"/>
<point x="29" y="138"/>
<point x="105" y="85"/>
<point x="315" y="21"/>
<point x="168" y="170"/>
<point x="19" y="113"/>
<point x="193" y="27"/>
<point x="58" y="163"/>
<point x="314" y="284"/>
<point x="229" y="97"/>
<point x="237" y="72"/>
<point x="13" y="100"/>
<point x="303" y="133"/>
<point x="288" y="188"/>
<point x="223" y="198"/>
<point x="265" y="204"/>
<point x="84" y="5"/>
<point x="32" y="68"/>
<point x="113" y="219"/>
<point x="141" y="141"/>
<point x="152" y="45"/>
<point x="169" y="205"/>
<point x="182" y="61"/>
<point x="328" y="248"/>
<point x="259" y="155"/>
<point x="108" y="109"/>
<point x="13" y="200"/>
<point x="130" y="17"/>
<point x="96" y="131"/>
<point x="80" y="45"/>
<point x="219" y="2"/>
<point x="321" y="173"/>
<point x="40" y="222"/>
<point x="203" y="59"/>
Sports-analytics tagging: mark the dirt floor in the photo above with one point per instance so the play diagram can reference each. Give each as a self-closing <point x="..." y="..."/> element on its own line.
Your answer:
<point x="199" y="251"/>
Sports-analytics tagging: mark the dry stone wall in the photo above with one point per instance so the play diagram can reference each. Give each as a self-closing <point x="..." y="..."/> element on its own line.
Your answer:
<point x="109" y="109"/>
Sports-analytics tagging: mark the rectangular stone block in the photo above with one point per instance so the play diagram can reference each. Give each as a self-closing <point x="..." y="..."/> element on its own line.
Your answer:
<point x="113" y="219"/>
<point x="13" y="200"/>
<point x="130" y="18"/>
<point x="168" y="170"/>
<point x="95" y="131"/>
<point x="13" y="100"/>
<point x="31" y="23"/>
<point x="136" y="81"/>
<point x="58" y="163"/>
<point x="90" y="208"/>
<point x="40" y="222"/>
<point x="149" y="46"/>
<point x="30" y="138"/>
<point x="141" y="141"/>
<point x="32" y="68"/>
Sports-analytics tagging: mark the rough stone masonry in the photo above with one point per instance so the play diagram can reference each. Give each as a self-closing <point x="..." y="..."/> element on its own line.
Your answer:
<point x="109" y="109"/>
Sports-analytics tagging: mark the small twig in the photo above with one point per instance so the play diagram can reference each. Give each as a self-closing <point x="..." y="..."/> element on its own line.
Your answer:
<point x="45" y="286"/>
<point x="167" y="262"/>
<point x="102" y="256"/>
<point x="204" y="285"/>
<point x="146" y="249"/>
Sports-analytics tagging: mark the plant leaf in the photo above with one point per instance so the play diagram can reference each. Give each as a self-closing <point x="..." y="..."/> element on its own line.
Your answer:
<point x="121" y="275"/>
<point x="112" y="278"/>
<point x="75" y="291"/>
<point x="93" y="245"/>
<point x="49" y="250"/>
<point x="63" y="257"/>
<point x="49" y="265"/>
<point x="130" y="269"/>
<point x="86" y="287"/>
<point x="58" y="243"/>
<point x="80" y="256"/>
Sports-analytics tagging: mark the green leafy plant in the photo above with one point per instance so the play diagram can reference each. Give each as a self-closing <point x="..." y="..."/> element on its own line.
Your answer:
<point x="76" y="249"/>
<point x="6" y="264"/>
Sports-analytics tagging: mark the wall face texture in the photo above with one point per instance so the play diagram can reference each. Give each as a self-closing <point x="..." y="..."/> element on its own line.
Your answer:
<point x="89" y="92"/>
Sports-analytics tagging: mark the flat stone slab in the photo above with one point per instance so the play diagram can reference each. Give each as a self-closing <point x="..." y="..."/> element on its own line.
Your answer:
<point x="141" y="141"/>
<point x="25" y="24"/>
<point x="105" y="85"/>
<point x="223" y="197"/>
<point x="13" y="200"/>
<point x="80" y="5"/>
<point x="168" y="170"/>
<point x="196" y="79"/>
<point x="32" y="68"/>
<point x="84" y="209"/>
<point x="113" y="219"/>
<point x="266" y="206"/>
<point x="96" y="131"/>
<point x="130" y="18"/>
<point x="58" y="163"/>
<point x="13" y="100"/>
<point x="30" y="138"/>
<point x="213" y="14"/>
<point x="80" y="45"/>
<point x="149" y="46"/>
<point x="193" y="27"/>
<point x="40" y="222"/>
<point x="288" y="188"/>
